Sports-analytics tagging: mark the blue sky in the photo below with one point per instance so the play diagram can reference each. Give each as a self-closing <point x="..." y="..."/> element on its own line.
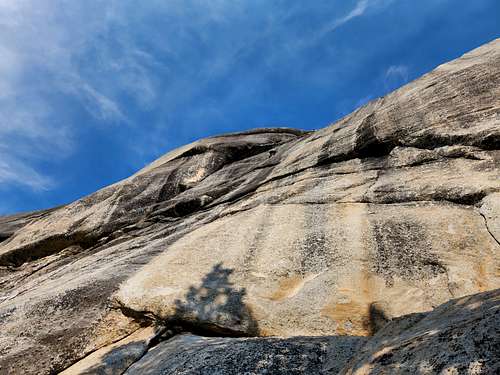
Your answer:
<point x="91" y="91"/>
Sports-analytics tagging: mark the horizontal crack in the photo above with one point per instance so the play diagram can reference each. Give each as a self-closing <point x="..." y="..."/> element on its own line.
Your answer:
<point x="320" y="164"/>
<point x="177" y="325"/>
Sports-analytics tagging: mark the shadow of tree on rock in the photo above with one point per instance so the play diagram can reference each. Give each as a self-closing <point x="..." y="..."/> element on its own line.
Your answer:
<point x="215" y="307"/>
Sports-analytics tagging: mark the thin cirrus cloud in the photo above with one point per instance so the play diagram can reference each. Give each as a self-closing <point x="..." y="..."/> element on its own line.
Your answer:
<point x="395" y="76"/>
<point x="40" y="45"/>
<point x="398" y="71"/>
<point x="16" y="172"/>
<point x="45" y="49"/>
<point x="91" y="91"/>
<point x="359" y="9"/>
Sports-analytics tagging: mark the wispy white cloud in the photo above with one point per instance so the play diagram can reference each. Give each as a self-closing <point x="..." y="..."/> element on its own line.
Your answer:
<point x="98" y="52"/>
<point x="39" y="46"/>
<point x="396" y="76"/>
<point x="16" y="172"/>
<point x="358" y="10"/>
<point x="96" y="103"/>
<point x="397" y="71"/>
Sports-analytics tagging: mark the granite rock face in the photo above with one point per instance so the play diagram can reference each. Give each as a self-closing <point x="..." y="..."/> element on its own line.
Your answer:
<point x="461" y="336"/>
<point x="188" y="354"/>
<point x="392" y="211"/>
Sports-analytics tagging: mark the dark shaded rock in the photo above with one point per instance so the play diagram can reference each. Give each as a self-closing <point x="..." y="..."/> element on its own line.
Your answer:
<point x="460" y="337"/>
<point x="188" y="354"/>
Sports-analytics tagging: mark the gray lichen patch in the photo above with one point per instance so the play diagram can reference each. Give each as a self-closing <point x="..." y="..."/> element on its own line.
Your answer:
<point x="403" y="250"/>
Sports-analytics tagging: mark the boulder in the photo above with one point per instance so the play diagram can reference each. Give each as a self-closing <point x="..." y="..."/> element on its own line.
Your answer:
<point x="190" y="354"/>
<point x="461" y="336"/>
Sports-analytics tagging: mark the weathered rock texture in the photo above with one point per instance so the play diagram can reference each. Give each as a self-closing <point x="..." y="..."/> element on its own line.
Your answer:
<point x="188" y="354"/>
<point x="459" y="337"/>
<point x="393" y="210"/>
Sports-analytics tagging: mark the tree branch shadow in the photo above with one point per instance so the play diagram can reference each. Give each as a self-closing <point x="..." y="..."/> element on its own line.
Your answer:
<point x="215" y="307"/>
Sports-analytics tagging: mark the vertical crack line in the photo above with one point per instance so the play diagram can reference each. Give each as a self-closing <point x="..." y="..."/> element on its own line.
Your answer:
<point x="96" y="349"/>
<point x="448" y="282"/>
<point x="153" y="341"/>
<point x="488" y="228"/>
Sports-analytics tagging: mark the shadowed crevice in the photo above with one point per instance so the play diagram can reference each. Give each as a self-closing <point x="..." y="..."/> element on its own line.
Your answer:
<point x="47" y="246"/>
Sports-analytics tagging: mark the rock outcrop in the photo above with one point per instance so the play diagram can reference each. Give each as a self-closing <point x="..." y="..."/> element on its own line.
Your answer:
<point x="318" y="239"/>
<point x="459" y="337"/>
